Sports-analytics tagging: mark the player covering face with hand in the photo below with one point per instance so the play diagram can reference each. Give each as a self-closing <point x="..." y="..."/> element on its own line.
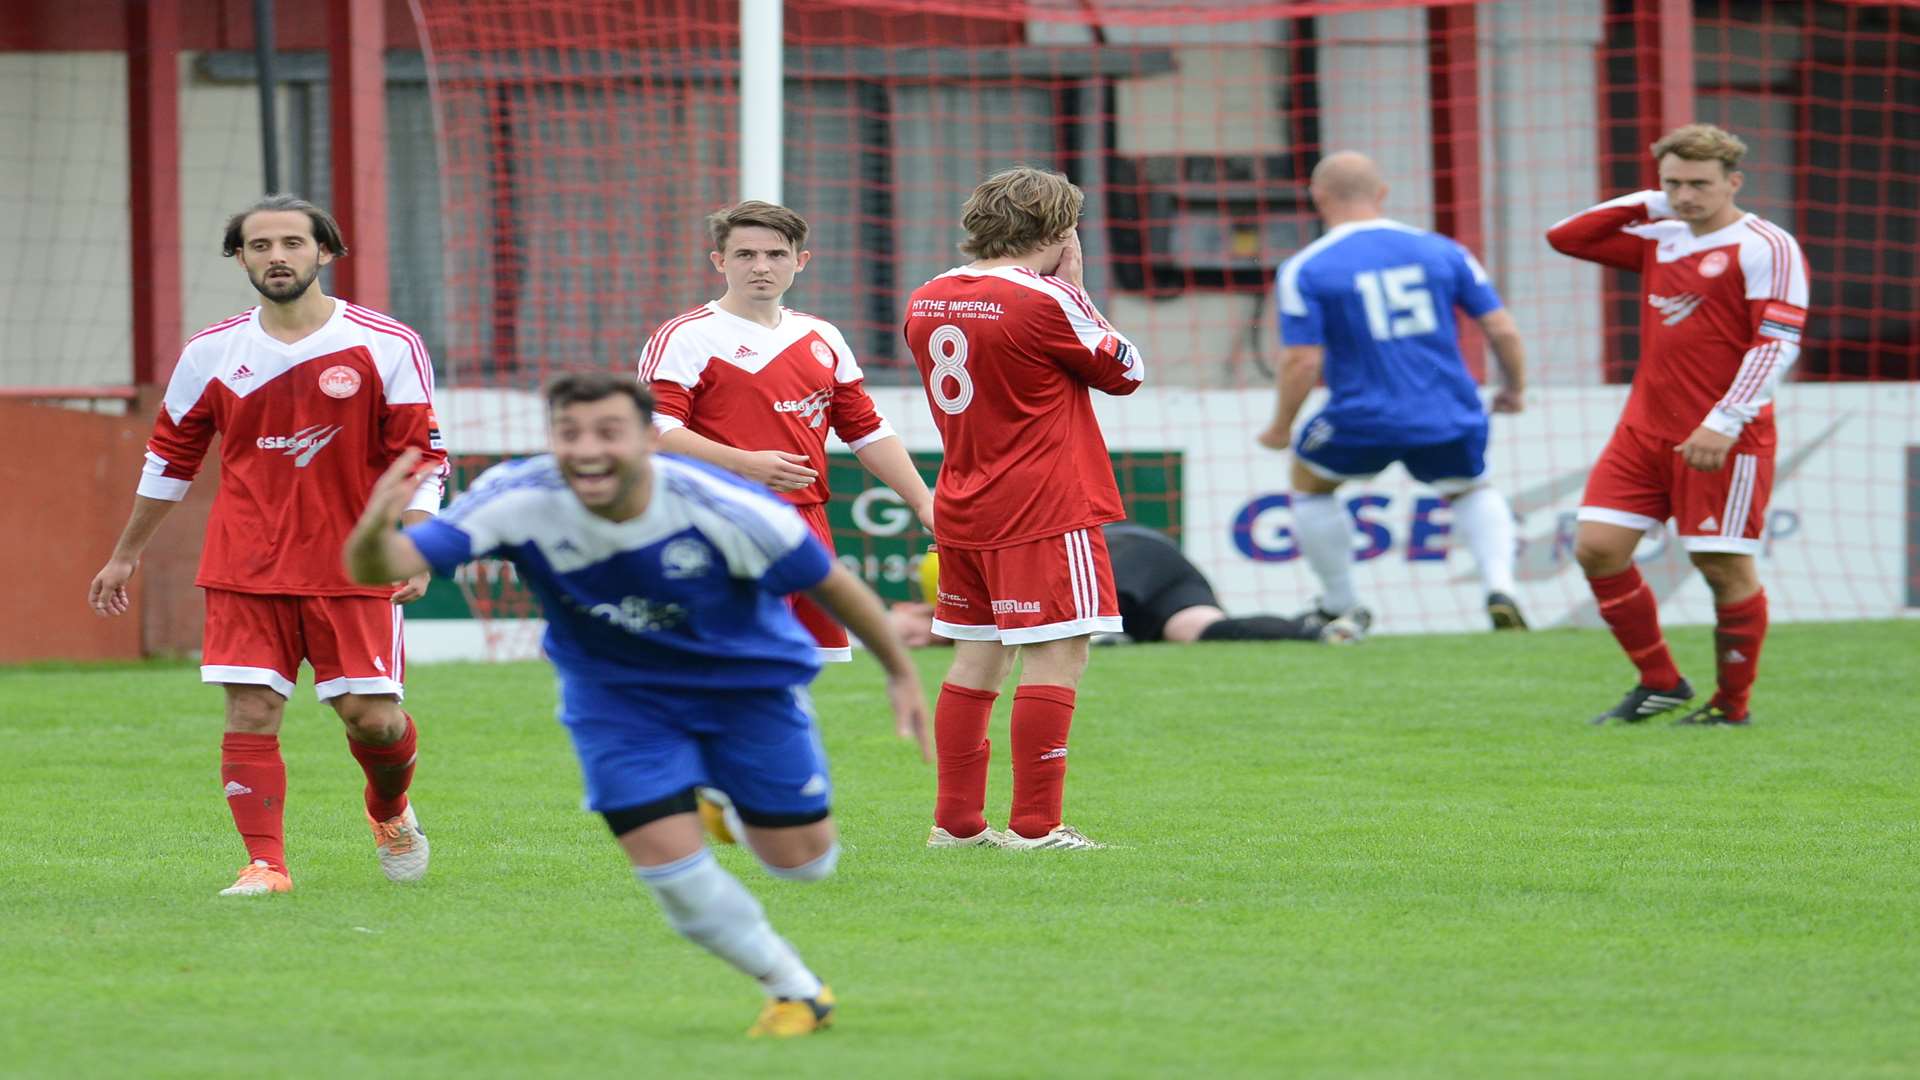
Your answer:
<point x="680" y="665"/>
<point x="1009" y="347"/>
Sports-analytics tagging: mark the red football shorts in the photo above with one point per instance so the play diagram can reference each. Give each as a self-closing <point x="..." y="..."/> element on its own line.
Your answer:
<point x="826" y="630"/>
<point x="353" y="642"/>
<point x="1640" y="481"/>
<point x="1042" y="590"/>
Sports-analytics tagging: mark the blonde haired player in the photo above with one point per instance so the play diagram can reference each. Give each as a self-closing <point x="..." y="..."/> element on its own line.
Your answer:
<point x="1009" y="346"/>
<point x="1726" y="301"/>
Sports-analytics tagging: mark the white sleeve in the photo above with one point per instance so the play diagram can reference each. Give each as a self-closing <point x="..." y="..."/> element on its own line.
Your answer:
<point x="1760" y="373"/>
<point x="752" y="531"/>
<point x="1772" y="264"/>
<point x="677" y="357"/>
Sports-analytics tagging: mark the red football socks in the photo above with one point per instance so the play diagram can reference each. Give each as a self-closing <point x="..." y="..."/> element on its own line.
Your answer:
<point x="960" y="742"/>
<point x="1041" y="717"/>
<point x="1737" y="637"/>
<point x="1632" y="613"/>
<point x="256" y="784"/>
<point x="389" y="771"/>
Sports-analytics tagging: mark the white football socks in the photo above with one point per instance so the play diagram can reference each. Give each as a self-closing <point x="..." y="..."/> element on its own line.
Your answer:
<point x="1326" y="539"/>
<point x="1485" y="522"/>
<point x="709" y="907"/>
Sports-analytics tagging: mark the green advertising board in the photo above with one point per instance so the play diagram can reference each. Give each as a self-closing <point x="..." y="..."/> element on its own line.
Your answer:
<point x="875" y="535"/>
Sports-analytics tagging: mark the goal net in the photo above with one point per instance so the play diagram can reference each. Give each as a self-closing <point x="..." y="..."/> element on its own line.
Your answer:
<point x="581" y="143"/>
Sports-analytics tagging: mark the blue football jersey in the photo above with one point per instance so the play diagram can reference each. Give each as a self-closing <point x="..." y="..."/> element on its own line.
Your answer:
<point x="690" y="595"/>
<point x="1378" y="296"/>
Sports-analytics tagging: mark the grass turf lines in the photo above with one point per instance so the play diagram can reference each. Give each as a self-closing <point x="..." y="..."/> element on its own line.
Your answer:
<point x="1409" y="858"/>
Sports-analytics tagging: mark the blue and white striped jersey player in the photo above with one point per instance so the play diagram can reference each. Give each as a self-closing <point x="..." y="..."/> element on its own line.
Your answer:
<point x="1371" y="304"/>
<point x="680" y="664"/>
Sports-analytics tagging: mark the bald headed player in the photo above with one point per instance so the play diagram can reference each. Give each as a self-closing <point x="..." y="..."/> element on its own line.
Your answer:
<point x="1371" y="304"/>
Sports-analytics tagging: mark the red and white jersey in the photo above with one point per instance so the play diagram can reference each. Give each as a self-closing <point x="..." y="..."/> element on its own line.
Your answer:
<point x="739" y="383"/>
<point x="1722" y="318"/>
<point x="305" y="430"/>
<point x="1007" y="356"/>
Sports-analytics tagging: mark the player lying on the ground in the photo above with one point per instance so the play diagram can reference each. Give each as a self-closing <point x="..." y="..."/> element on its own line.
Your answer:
<point x="680" y="664"/>
<point x="312" y="397"/>
<point x="1163" y="597"/>
<point x="1372" y="304"/>
<point x="1726" y="301"/>
<point x="751" y="386"/>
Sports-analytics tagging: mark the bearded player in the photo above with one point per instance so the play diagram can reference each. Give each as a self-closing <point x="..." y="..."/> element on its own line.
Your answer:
<point x="1726" y="302"/>
<point x="753" y="387"/>
<point x="313" y="397"/>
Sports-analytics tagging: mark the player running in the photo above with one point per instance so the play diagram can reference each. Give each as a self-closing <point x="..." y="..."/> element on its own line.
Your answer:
<point x="663" y="582"/>
<point x="751" y="386"/>
<point x="1008" y="346"/>
<point x="1726" y="302"/>
<point x="1371" y="302"/>
<point x="312" y="397"/>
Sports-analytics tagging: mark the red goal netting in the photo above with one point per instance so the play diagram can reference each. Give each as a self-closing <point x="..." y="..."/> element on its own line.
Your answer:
<point x="582" y="141"/>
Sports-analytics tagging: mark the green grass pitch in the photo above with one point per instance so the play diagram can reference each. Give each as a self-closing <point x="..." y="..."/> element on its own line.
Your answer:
<point x="1412" y="858"/>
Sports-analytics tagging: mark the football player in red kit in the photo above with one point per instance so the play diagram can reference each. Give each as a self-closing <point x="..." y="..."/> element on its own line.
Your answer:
<point x="746" y="384"/>
<point x="1009" y="346"/>
<point x="1726" y="303"/>
<point x="313" y="397"/>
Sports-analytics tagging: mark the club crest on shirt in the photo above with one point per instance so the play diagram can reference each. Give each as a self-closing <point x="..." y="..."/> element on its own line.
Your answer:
<point x="340" y="381"/>
<point x="684" y="558"/>
<point x="823" y="354"/>
<point x="1713" y="264"/>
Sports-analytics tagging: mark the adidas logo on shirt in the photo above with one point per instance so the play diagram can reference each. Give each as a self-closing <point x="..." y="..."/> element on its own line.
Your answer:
<point x="243" y="372"/>
<point x="743" y="352"/>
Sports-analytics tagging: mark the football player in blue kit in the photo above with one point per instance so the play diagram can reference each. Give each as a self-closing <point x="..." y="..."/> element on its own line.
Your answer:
<point x="1371" y="303"/>
<point x="680" y="664"/>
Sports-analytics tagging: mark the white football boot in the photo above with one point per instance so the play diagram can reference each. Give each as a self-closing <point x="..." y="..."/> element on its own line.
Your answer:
<point x="1062" y="838"/>
<point x="401" y="845"/>
<point x="987" y="837"/>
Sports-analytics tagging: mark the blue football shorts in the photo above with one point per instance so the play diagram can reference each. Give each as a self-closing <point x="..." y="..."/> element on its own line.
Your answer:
<point x="1448" y="467"/>
<point x="639" y="745"/>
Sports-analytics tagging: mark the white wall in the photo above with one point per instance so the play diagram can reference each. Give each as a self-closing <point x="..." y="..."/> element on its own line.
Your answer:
<point x="64" y="219"/>
<point x="65" y="287"/>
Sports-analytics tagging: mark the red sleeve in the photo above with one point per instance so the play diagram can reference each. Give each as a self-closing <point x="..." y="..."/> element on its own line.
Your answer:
<point x="182" y="432"/>
<point x="407" y="420"/>
<point x="1081" y="342"/>
<point x="1597" y="235"/>
<point x="672" y="399"/>
<point x="853" y="414"/>
<point x="412" y="426"/>
<point x="181" y="445"/>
